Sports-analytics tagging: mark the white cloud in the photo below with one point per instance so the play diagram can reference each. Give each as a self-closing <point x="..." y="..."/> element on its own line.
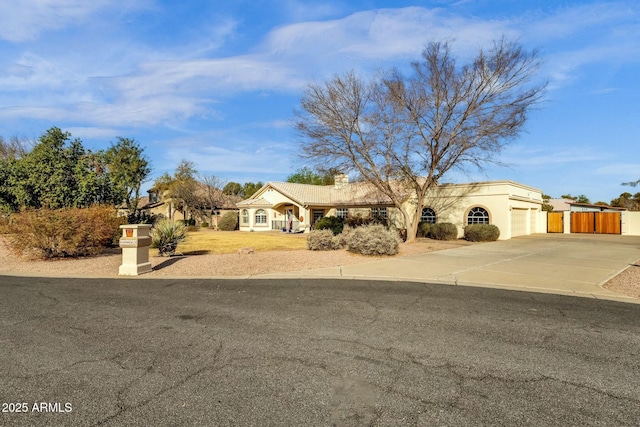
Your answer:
<point x="629" y="170"/>
<point x="26" y="19"/>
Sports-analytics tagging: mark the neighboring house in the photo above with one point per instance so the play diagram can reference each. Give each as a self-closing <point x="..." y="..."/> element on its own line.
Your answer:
<point x="560" y="205"/>
<point x="161" y="204"/>
<point x="513" y="207"/>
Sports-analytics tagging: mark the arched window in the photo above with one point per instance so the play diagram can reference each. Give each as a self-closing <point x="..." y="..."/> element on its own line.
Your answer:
<point x="261" y="217"/>
<point x="428" y="216"/>
<point x="478" y="215"/>
<point x="245" y="216"/>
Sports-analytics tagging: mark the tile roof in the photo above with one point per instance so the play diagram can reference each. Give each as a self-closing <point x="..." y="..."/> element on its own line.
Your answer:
<point x="254" y="202"/>
<point x="352" y="194"/>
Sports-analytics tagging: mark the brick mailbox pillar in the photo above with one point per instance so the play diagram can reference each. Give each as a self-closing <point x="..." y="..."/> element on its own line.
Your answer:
<point x="135" y="242"/>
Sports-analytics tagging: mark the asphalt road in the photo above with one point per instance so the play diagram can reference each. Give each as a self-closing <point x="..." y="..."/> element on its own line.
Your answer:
<point x="79" y="352"/>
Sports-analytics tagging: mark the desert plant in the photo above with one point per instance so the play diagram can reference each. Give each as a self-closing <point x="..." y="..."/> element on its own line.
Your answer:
<point x="229" y="221"/>
<point x="373" y="240"/>
<point x="166" y="235"/>
<point x="443" y="231"/>
<point x="320" y="240"/>
<point x="69" y="232"/>
<point x="481" y="233"/>
<point x="424" y="229"/>
<point x="332" y="223"/>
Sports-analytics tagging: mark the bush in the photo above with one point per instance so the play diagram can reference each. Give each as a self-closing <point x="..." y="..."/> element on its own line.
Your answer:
<point x="481" y="233"/>
<point x="141" y="217"/>
<point x="332" y="223"/>
<point x="373" y="240"/>
<point x="228" y="222"/>
<point x="361" y="221"/>
<point x="320" y="240"/>
<point x="166" y="235"/>
<point x="424" y="229"/>
<point x="205" y="225"/>
<point x="443" y="231"/>
<point x="69" y="232"/>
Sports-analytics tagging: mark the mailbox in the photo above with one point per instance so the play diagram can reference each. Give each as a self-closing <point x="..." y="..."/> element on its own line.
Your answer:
<point x="135" y="242"/>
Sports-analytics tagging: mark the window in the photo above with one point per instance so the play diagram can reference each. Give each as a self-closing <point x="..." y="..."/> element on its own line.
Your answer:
<point x="261" y="217"/>
<point x="245" y="216"/>
<point x="478" y="215"/>
<point x="342" y="213"/>
<point x="428" y="216"/>
<point x="379" y="213"/>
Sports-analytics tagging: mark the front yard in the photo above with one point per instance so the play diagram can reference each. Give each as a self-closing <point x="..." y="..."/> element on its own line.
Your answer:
<point x="208" y="241"/>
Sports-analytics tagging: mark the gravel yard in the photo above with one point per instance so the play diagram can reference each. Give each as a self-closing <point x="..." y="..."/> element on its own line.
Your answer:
<point x="207" y="265"/>
<point x="106" y="265"/>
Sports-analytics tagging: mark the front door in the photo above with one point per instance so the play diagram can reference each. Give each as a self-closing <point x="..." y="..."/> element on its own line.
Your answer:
<point x="317" y="214"/>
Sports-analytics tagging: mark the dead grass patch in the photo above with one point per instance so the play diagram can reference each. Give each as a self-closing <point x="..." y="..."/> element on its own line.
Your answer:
<point x="208" y="241"/>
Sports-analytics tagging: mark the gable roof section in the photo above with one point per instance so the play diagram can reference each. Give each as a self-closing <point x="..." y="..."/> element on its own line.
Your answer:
<point x="254" y="203"/>
<point x="352" y="194"/>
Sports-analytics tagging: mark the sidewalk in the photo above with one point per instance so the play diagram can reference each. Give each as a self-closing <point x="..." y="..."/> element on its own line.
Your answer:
<point x="562" y="264"/>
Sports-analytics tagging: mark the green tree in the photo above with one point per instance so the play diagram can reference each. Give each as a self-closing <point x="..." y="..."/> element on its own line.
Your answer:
<point x="403" y="134"/>
<point x="307" y="176"/>
<point x="249" y="188"/>
<point x="579" y="199"/>
<point x="233" y="189"/>
<point x="128" y="168"/>
<point x="58" y="172"/>
<point x="628" y="201"/>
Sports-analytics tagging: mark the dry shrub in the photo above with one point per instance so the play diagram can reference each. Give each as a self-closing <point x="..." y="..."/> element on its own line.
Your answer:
<point x="229" y="221"/>
<point x="320" y="240"/>
<point x="373" y="240"/>
<point x="443" y="231"/>
<point x="481" y="233"/>
<point x="69" y="232"/>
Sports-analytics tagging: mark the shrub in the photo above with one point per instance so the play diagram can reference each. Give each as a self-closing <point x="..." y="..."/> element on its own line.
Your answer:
<point x="166" y="235"/>
<point x="320" y="240"/>
<point x="205" y="225"/>
<point x="228" y="222"/>
<point x="443" y="231"/>
<point x="373" y="240"/>
<point x="361" y="221"/>
<point x="332" y="223"/>
<point x="481" y="233"/>
<point x="141" y="217"/>
<point x="424" y="229"/>
<point x="69" y="232"/>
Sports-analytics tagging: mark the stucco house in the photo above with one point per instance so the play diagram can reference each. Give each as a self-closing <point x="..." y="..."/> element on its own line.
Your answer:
<point x="161" y="204"/>
<point x="514" y="208"/>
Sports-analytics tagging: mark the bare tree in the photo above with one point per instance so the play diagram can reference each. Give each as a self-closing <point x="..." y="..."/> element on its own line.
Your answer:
<point x="403" y="134"/>
<point x="15" y="148"/>
<point x="212" y="195"/>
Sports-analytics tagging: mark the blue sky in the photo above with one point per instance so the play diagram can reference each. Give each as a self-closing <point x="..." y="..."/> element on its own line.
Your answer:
<point x="216" y="82"/>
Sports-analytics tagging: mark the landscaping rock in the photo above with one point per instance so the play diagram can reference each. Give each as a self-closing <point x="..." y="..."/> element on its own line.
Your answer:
<point x="245" y="251"/>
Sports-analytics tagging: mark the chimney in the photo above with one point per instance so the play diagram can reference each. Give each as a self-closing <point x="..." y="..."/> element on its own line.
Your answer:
<point x="340" y="181"/>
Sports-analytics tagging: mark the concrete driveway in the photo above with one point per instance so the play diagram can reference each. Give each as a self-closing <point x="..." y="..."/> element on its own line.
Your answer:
<point x="570" y="264"/>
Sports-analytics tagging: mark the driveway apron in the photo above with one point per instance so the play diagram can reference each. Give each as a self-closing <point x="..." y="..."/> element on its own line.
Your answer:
<point x="563" y="263"/>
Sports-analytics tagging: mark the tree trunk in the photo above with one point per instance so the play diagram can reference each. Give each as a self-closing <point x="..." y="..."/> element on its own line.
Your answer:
<point x="410" y="225"/>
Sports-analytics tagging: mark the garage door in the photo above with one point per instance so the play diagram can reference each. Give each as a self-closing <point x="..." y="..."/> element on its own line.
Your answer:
<point x="518" y="222"/>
